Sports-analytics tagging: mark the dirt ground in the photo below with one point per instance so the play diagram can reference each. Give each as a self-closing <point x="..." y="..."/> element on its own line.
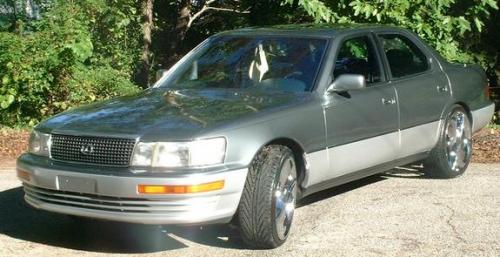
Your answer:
<point x="398" y="213"/>
<point x="486" y="144"/>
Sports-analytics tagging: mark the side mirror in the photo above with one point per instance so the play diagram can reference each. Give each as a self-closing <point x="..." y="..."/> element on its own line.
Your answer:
<point x="346" y="82"/>
<point x="160" y="73"/>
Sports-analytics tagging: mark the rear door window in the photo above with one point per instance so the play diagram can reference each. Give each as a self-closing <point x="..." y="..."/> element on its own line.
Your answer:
<point x="403" y="56"/>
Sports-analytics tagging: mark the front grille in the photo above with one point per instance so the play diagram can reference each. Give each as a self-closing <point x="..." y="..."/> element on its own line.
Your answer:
<point x="92" y="150"/>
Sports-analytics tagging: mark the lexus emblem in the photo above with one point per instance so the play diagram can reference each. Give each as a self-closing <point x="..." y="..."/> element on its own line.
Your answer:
<point x="87" y="149"/>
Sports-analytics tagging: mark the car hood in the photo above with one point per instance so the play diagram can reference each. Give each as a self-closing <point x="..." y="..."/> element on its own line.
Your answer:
<point x="176" y="114"/>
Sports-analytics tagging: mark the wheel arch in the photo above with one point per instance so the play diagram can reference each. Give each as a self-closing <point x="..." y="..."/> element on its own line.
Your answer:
<point x="298" y="153"/>
<point x="467" y="111"/>
<point x="464" y="105"/>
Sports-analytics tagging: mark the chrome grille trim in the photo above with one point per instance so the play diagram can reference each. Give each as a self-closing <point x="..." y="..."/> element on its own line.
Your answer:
<point x="106" y="150"/>
<point x="108" y="203"/>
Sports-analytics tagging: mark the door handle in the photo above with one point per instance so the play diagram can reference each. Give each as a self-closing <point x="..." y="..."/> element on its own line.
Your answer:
<point x="388" y="101"/>
<point x="442" y="89"/>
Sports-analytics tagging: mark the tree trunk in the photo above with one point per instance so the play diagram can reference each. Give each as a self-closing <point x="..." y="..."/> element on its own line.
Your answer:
<point x="142" y="76"/>
<point x="180" y="30"/>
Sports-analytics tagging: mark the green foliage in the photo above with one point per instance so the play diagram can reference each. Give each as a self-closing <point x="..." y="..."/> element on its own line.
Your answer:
<point x="315" y="9"/>
<point x="69" y="57"/>
<point x="84" y="50"/>
<point x="116" y="34"/>
<point x="453" y="27"/>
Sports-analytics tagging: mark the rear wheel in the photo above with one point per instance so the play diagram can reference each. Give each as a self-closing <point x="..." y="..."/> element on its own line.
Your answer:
<point x="267" y="204"/>
<point x="453" y="152"/>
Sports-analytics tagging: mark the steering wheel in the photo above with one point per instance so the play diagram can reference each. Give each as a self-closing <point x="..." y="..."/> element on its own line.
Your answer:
<point x="294" y="75"/>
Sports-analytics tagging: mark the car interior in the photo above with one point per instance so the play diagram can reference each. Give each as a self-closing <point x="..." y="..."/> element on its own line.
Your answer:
<point x="357" y="56"/>
<point x="403" y="56"/>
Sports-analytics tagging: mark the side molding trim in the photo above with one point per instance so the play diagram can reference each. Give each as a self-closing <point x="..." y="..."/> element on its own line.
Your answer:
<point x="361" y="174"/>
<point x="419" y="139"/>
<point x="342" y="160"/>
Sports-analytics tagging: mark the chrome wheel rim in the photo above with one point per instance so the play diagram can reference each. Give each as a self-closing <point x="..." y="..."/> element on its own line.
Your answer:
<point x="458" y="141"/>
<point x="285" y="194"/>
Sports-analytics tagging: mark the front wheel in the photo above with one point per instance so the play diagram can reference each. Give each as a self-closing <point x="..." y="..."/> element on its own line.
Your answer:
<point x="453" y="152"/>
<point x="267" y="204"/>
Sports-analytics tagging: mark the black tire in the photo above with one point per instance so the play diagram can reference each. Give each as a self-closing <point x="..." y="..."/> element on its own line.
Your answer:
<point x="437" y="164"/>
<point x="256" y="211"/>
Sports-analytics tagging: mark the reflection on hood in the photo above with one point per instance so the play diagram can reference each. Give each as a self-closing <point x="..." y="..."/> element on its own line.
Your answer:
<point x="175" y="112"/>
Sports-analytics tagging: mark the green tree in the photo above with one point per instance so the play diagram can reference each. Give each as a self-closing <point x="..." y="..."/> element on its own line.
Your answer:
<point x="55" y="54"/>
<point x="78" y="52"/>
<point x="453" y="27"/>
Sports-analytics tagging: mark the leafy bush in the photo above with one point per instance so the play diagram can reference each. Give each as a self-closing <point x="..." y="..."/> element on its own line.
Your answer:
<point x="453" y="27"/>
<point x="80" y="51"/>
<point x="56" y="66"/>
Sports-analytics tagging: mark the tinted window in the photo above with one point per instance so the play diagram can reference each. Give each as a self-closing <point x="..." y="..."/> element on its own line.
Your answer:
<point x="357" y="56"/>
<point x="403" y="56"/>
<point x="275" y="63"/>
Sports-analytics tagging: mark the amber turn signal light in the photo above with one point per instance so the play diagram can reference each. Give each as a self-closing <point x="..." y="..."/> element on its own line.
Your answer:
<point x="180" y="189"/>
<point x="23" y="175"/>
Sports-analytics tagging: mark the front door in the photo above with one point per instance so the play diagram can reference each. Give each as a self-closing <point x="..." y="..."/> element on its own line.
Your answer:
<point x="362" y="125"/>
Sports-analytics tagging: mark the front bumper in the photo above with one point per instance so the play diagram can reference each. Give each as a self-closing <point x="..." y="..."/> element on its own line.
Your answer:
<point x="116" y="197"/>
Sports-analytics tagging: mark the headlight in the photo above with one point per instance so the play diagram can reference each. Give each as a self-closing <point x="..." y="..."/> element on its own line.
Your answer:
<point x="180" y="154"/>
<point x="39" y="143"/>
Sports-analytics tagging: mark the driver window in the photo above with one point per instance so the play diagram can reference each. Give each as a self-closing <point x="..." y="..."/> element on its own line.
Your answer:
<point x="357" y="56"/>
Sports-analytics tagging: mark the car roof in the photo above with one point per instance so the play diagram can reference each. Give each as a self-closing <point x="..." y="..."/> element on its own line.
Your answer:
<point x="311" y="29"/>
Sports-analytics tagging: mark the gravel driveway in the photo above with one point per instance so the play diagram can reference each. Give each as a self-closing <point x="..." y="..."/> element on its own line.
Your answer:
<point x="399" y="213"/>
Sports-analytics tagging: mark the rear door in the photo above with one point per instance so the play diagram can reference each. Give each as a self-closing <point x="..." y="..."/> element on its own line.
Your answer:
<point x="422" y="90"/>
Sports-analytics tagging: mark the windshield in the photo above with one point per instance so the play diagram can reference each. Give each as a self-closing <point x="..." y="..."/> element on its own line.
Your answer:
<point x="275" y="63"/>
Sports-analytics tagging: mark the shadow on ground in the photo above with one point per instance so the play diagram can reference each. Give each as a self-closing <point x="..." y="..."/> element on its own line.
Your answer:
<point x="412" y="171"/>
<point x="18" y="220"/>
